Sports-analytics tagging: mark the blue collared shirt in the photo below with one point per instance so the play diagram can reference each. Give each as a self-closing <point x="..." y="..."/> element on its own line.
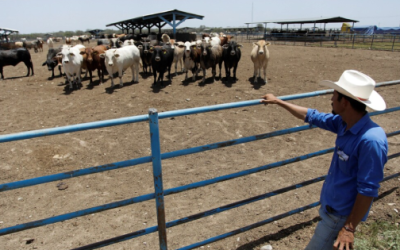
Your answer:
<point x="357" y="163"/>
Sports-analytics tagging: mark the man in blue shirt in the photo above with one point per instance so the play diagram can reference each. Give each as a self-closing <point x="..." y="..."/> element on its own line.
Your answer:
<point x="358" y="160"/>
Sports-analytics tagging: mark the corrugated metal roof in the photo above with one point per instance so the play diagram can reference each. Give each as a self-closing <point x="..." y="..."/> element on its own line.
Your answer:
<point x="155" y="18"/>
<point x="9" y="30"/>
<point x="337" y="19"/>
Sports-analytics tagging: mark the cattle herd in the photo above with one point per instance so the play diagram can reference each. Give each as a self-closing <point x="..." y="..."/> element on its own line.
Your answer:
<point x="120" y="52"/>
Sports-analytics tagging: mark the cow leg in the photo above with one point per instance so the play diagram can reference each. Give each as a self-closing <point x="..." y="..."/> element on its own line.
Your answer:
<point x="234" y="71"/>
<point x="1" y="72"/>
<point x="182" y="65"/>
<point x="137" y="66"/>
<point x="227" y="72"/>
<point x="133" y="72"/>
<point x="100" y="74"/>
<point x="265" y="73"/>
<point x="120" y="74"/>
<point x="59" y="68"/>
<point x="176" y="68"/>
<point x="214" y="72"/>
<point x="90" y="75"/>
<point x="29" y="66"/>
<point x="204" y="75"/>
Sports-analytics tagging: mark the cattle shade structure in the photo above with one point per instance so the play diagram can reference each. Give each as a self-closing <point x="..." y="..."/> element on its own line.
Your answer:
<point x="157" y="19"/>
<point x="314" y="21"/>
<point x="4" y="33"/>
<point x="95" y="32"/>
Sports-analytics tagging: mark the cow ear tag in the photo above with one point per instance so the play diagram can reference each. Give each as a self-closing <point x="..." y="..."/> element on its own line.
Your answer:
<point x="165" y="52"/>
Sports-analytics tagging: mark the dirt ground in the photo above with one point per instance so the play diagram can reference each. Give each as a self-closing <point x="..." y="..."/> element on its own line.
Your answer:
<point x="37" y="102"/>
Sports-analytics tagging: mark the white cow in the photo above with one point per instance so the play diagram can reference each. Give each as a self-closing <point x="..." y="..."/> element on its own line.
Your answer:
<point x="260" y="56"/>
<point x="178" y="55"/>
<point x="191" y="59"/>
<point x="118" y="60"/>
<point x="50" y="42"/>
<point x="72" y="63"/>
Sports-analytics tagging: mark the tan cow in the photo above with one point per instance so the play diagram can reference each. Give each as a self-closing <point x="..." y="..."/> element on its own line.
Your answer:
<point x="260" y="56"/>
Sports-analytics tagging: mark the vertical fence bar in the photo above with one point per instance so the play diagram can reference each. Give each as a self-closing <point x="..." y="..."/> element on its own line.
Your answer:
<point x="394" y="38"/>
<point x="354" y="38"/>
<point x="372" y="41"/>
<point x="157" y="175"/>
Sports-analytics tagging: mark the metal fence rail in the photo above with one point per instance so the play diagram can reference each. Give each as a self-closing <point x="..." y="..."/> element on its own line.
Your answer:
<point x="156" y="158"/>
<point x="387" y="42"/>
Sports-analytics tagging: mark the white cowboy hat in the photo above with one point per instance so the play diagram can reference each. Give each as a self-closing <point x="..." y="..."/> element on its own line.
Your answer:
<point x="359" y="87"/>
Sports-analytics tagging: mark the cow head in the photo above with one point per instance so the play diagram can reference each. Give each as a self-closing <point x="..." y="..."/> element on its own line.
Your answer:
<point x="261" y="47"/>
<point x="87" y="54"/>
<point x="158" y="52"/>
<point x="188" y="46"/>
<point x="110" y="56"/>
<point x="232" y="47"/>
<point x="205" y="47"/>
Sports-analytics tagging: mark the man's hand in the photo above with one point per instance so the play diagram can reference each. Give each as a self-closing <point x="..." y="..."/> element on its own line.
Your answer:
<point x="269" y="99"/>
<point x="344" y="241"/>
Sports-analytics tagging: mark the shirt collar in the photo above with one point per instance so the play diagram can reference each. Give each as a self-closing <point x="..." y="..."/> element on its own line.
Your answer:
<point x="360" y="124"/>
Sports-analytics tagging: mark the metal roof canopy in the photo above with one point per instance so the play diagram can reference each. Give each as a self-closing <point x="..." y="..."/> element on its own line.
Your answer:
<point x="6" y="33"/>
<point x="323" y="20"/>
<point x="95" y="31"/>
<point x="157" y="19"/>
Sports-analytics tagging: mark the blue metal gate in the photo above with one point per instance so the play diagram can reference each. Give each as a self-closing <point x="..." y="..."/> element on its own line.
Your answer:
<point x="156" y="159"/>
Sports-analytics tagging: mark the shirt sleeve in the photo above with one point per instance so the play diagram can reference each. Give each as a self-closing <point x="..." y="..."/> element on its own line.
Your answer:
<point x="325" y="121"/>
<point x="372" y="158"/>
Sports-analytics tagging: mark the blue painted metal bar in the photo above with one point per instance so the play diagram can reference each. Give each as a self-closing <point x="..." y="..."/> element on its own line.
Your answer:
<point x="72" y="128"/>
<point x="117" y="165"/>
<point x="71" y="174"/>
<point x="199" y="215"/>
<point x="208" y="213"/>
<point x="75" y="214"/>
<point x="252" y="226"/>
<point x="168" y="114"/>
<point x="146" y="197"/>
<point x="157" y="176"/>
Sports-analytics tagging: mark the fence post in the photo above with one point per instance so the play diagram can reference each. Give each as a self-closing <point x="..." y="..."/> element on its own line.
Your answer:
<point x="372" y="41"/>
<point x="354" y="38"/>
<point x="157" y="175"/>
<point x="394" y="38"/>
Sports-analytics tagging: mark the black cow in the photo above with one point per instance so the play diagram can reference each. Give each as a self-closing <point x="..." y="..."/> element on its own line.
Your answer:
<point x="103" y="41"/>
<point x="15" y="56"/>
<point x="161" y="61"/>
<point x="52" y="61"/>
<point x="115" y="43"/>
<point x="210" y="57"/>
<point x="146" y="56"/>
<point x="231" y="56"/>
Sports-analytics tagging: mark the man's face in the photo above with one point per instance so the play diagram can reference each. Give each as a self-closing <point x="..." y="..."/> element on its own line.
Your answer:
<point x="337" y="108"/>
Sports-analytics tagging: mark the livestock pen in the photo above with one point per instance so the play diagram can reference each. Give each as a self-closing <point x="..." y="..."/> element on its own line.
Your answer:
<point x="157" y="158"/>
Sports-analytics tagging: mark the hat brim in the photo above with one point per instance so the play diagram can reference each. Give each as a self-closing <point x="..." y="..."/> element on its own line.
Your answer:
<point x="374" y="102"/>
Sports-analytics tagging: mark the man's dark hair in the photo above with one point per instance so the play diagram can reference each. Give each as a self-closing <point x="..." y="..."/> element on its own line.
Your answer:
<point x="358" y="106"/>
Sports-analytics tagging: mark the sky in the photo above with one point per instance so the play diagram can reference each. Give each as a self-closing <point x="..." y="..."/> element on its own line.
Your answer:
<point x="40" y="16"/>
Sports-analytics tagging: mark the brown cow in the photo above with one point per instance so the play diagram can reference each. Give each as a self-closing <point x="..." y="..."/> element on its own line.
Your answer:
<point x="225" y="39"/>
<point x="39" y="45"/>
<point x="92" y="61"/>
<point x="30" y="45"/>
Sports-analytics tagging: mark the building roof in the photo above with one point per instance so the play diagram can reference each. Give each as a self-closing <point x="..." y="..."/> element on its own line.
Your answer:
<point x="151" y="19"/>
<point x="5" y="30"/>
<point x="337" y="19"/>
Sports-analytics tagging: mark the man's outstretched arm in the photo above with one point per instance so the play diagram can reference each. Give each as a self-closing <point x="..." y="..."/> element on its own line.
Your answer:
<point x="298" y="111"/>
